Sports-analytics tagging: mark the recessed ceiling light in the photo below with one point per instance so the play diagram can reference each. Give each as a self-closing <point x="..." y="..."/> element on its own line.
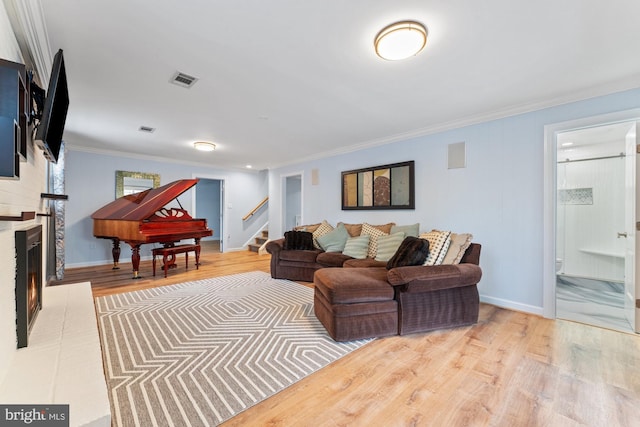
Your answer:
<point x="400" y="40"/>
<point x="249" y="166"/>
<point x="204" y="146"/>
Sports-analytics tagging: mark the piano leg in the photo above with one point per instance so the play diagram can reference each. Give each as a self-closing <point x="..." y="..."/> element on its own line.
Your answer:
<point x="197" y="240"/>
<point x="115" y="251"/>
<point x="135" y="260"/>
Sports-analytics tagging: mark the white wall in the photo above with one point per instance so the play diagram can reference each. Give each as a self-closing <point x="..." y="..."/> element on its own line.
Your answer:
<point x="15" y="196"/>
<point x="90" y="184"/>
<point x="498" y="197"/>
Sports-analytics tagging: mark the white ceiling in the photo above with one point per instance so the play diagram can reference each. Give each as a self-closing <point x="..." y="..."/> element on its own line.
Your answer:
<point x="287" y="80"/>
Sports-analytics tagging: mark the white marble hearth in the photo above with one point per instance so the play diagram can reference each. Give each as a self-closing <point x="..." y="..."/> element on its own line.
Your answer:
<point x="593" y="302"/>
<point x="63" y="362"/>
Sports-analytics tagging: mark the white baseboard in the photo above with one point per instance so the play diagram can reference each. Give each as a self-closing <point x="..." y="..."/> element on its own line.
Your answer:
<point x="109" y="261"/>
<point x="511" y="305"/>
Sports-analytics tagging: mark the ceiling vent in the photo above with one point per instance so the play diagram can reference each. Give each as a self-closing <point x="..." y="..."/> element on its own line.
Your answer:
<point x="184" y="80"/>
<point x="146" y="129"/>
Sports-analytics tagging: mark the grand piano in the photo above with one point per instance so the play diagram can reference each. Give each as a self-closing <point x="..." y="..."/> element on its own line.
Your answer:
<point x="142" y="218"/>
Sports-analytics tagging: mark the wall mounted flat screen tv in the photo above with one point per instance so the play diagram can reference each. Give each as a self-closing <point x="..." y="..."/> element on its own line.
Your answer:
<point x="49" y="130"/>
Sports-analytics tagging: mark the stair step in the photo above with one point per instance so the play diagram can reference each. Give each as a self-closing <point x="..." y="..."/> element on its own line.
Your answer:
<point x="260" y="240"/>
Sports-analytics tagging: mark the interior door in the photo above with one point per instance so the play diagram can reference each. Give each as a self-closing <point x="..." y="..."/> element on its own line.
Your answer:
<point x="631" y="288"/>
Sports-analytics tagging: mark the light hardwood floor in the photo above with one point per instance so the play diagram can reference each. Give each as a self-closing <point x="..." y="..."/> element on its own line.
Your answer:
<point x="511" y="369"/>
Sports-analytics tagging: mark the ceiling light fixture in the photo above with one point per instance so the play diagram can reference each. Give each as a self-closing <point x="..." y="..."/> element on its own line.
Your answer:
<point x="204" y="146"/>
<point x="400" y="40"/>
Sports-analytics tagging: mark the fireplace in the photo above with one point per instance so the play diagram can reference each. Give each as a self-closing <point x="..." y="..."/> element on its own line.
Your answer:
<point x="28" y="281"/>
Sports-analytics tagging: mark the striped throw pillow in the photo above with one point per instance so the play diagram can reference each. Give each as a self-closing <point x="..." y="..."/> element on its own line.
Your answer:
<point x="388" y="245"/>
<point x="356" y="247"/>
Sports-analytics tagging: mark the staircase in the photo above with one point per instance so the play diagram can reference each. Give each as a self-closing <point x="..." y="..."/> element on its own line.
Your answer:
<point x="255" y="247"/>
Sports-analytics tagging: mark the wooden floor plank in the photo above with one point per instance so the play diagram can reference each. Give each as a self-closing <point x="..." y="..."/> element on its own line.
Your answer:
<point x="511" y="369"/>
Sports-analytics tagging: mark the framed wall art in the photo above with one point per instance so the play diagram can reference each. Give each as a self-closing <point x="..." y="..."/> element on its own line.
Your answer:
<point x="379" y="187"/>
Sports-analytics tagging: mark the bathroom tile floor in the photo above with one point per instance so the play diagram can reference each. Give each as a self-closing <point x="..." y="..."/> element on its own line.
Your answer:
<point x="592" y="302"/>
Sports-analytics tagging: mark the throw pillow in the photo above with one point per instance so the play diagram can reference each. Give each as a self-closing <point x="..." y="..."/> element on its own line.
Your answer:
<point x="298" y="240"/>
<point x="309" y="227"/>
<point x="356" y="247"/>
<point x="388" y="245"/>
<point x="374" y="232"/>
<point x="334" y="240"/>
<point x="412" y="251"/>
<point x="322" y="229"/>
<point x="459" y="245"/>
<point x="386" y="228"/>
<point x="353" y="229"/>
<point x="439" y="242"/>
<point x="408" y="230"/>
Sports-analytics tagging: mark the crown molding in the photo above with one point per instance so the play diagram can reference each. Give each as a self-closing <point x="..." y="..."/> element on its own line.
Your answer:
<point x="30" y="29"/>
<point x="629" y="83"/>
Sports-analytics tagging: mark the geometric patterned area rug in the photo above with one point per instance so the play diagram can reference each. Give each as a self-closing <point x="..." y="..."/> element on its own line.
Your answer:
<point x="198" y="353"/>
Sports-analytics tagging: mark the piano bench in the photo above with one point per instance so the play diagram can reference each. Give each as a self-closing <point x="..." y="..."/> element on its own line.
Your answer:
<point x="169" y="256"/>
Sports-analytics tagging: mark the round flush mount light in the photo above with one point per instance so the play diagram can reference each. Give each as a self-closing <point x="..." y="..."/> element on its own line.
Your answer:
<point x="400" y="40"/>
<point x="204" y="146"/>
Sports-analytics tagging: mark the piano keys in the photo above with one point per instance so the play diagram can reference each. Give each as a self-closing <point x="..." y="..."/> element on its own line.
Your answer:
<point x="142" y="218"/>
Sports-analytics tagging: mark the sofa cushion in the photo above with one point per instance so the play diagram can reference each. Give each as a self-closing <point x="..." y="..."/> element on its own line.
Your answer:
<point x="298" y="240"/>
<point x="361" y="263"/>
<point x="420" y="278"/>
<point x="322" y="229"/>
<point x="299" y="256"/>
<point x="388" y="245"/>
<point x="412" y="251"/>
<point x="332" y="259"/>
<point x="353" y="285"/>
<point x="334" y="240"/>
<point x="439" y="242"/>
<point x="459" y="245"/>
<point x="357" y="247"/>
<point x="408" y="230"/>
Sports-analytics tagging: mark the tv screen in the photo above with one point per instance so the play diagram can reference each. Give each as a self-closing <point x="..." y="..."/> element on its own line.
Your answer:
<point x="49" y="130"/>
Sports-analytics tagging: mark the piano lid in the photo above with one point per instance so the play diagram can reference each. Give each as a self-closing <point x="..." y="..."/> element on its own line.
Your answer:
<point x="140" y="206"/>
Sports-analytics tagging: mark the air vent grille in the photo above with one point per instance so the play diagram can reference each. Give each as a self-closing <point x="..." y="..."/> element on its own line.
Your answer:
<point x="184" y="80"/>
<point x="146" y="129"/>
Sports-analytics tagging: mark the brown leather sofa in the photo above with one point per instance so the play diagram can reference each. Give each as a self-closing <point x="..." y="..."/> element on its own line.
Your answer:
<point x="357" y="299"/>
<point x="300" y="265"/>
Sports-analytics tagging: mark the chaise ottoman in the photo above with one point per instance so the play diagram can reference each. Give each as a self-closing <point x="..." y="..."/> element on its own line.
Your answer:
<point x="355" y="303"/>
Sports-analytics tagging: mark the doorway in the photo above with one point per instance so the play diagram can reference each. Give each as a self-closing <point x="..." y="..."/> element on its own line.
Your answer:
<point x="591" y="229"/>
<point x="209" y="203"/>
<point x="590" y="189"/>
<point x="292" y="201"/>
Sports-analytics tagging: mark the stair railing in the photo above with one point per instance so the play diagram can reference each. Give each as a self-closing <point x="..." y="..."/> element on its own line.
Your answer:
<point x="256" y="209"/>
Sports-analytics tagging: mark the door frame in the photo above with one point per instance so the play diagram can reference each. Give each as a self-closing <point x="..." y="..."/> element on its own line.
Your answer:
<point x="549" y="199"/>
